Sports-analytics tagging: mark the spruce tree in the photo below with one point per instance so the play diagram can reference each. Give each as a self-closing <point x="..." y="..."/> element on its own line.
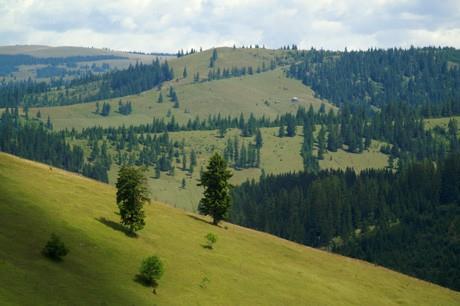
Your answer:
<point x="321" y="143"/>
<point x="216" y="200"/>
<point x="132" y="193"/>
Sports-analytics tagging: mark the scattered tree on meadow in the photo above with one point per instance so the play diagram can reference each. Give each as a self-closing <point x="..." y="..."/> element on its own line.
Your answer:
<point x="132" y="193"/>
<point x="55" y="249"/>
<point x="216" y="200"/>
<point x="105" y="109"/>
<point x="211" y="239"/>
<point x="160" y="98"/>
<point x="151" y="270"/>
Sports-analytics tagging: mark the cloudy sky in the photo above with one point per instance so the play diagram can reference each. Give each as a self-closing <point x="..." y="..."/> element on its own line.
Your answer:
<point x="168" y="25"/>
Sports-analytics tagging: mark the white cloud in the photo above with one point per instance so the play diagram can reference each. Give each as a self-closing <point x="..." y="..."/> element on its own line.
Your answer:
<point x="168" y="25"/>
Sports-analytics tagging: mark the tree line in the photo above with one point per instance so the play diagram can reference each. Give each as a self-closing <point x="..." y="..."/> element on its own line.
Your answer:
<point x="91" y="87"/>
<point x="425" y="78"/>
<point x="406" y="220"/>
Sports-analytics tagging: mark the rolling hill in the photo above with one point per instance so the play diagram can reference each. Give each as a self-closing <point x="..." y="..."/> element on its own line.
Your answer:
<point x="245" y="268"/>
<point x="278" y="155"/>
<point x="119" y="60"/>
<point x="267" y="93"/>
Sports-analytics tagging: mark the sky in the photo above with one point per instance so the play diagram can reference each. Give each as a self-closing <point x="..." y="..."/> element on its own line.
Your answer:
<point x="169" y="25"/>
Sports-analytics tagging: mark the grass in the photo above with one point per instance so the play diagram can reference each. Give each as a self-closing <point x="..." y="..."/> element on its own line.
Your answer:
<point x="267" y="93"/>
<point x="442" y="122"/>
<point x="371" y="158"/>
<point x="226" y="58"/>
<point x="244" y="268"/>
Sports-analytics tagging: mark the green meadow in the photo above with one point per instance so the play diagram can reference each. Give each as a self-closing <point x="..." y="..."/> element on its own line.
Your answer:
<point x="245" y="267"/>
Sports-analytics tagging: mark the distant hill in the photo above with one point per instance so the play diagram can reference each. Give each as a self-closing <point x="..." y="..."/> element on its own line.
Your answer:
<point x="42" y="63"/>
<point x="245" y="268"/>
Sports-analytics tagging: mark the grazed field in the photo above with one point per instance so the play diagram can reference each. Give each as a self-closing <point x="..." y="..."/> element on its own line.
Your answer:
<point x="266" y="94"/>
<point x="245" y="268"/>
<point x="278" y="155"/>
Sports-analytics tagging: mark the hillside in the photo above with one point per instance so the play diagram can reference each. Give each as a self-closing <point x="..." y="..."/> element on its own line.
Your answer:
<point x="278" y="155"/>
<point x="66" y="51"/>
<point x="245" y="268"/>
<point x="267" y="93"/>
<point x="91" y="59"/>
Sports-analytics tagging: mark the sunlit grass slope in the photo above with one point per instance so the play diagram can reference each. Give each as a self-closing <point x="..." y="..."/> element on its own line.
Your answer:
<point x="245" y="268"/>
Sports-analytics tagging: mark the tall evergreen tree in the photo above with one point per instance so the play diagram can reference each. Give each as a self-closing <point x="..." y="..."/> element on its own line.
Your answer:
<point x="132" y="193"/>
<point x="216" y="199"/>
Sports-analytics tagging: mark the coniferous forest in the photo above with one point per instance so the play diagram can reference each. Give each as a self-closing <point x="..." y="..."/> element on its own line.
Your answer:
<point x="117" y="83"/>
<point x="392" y="219"/>
<point x="421" y="77"/>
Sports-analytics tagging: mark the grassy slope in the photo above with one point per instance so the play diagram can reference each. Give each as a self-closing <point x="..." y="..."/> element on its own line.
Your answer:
<point x="267" y="93"/>
<point x="278" y="155"/>
<point x="245" y="268"/>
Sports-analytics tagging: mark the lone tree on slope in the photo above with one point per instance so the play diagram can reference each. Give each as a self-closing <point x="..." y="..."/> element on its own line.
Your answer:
<point x="216" y="200"/>
<point x="132" y="193"/>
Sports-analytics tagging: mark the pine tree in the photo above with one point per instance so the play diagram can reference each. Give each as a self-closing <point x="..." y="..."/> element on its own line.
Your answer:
<point x="132" y="193"/>
<point x="321" y="142"/>
<point x="281" y="131"/>
<point x="216" y="200"/>
<point x="160" y="98"/>
<point x="49" y="125"/>
<point x="184" y="73"/>
<point x="259" y="140"/>
<point x="291" y="126"/>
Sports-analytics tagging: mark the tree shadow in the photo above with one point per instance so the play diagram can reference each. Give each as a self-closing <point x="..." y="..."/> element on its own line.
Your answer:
<point x="199" y="219"/>
<point x="142" y="281"/>
<point x="116" y="226"/>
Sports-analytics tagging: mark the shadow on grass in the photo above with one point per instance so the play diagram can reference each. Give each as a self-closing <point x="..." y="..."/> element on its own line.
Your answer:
<point x="142" y="281"/>
<point x="200" y="219"/>
<point x="206" y="246"/>
<point x="116" y="226"/>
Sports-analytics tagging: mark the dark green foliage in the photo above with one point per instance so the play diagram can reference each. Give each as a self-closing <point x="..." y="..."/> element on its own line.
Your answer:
<point x="125" y="108"/>
<point x="420" y="77"/>
<point x="196" y="77"/>
<point x="290" y="126"/>
<point x="259" y="140"/>
<point x="213" y="58"/>
<point x="55" y="249"/>
<point x="105" y="109"/>
<point x="281" y="131"/>
<point x="216" y="199"/>
<point x="132" y="193"/>
<point x="321" y="142"/>
<point x="118" y="83"/>
<point x="34" y="141"/>
<point x="241" y="157"/>
<point x="151" y="270"/>
<point x="406" y="220"/>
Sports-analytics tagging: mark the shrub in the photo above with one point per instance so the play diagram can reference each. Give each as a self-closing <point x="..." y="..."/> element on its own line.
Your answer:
<point x="55" y="248"/>
<point x="151" y="270"/>
<point x="210" y="240"/>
